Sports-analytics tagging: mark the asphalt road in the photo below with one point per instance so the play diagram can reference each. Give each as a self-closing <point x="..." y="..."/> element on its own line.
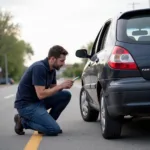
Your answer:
<point x="77" y="134"/>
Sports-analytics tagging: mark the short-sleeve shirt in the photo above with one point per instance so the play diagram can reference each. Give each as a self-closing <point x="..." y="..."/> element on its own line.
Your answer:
<point x="39" y="74"/>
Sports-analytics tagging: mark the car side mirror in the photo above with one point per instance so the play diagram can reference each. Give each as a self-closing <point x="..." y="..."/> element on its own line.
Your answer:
<point x="82" y="53"/>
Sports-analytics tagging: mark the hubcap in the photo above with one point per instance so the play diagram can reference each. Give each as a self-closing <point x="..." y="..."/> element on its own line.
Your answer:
<point x="84" y="104"/>
<point x="102" y="114"/>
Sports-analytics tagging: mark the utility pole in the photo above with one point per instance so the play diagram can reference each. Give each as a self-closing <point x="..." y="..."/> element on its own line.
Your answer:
<point x="133" y="4"/>
<point x="6" y="68"/>
<point x="149" y="3"/>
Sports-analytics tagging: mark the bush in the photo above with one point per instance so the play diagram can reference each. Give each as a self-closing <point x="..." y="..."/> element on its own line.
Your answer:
<point x="75" y="70"/>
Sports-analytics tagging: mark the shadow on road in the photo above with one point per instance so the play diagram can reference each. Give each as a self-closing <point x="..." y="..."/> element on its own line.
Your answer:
<point x="137" y="129"/>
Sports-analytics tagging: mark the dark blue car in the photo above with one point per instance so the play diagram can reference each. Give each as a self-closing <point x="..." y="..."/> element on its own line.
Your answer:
<point x="9" y="80"/>
<point x="116" y="78"/>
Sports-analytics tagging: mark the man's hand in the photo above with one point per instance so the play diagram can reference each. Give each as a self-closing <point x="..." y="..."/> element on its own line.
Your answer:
<point x="66" y="84"/>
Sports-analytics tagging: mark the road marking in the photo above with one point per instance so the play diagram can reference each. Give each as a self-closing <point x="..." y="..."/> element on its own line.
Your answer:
<point x="9" y="96"/>
<point x="34" y="141"/>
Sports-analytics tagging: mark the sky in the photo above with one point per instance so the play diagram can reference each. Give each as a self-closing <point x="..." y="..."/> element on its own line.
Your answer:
<point x="69" y="23"/>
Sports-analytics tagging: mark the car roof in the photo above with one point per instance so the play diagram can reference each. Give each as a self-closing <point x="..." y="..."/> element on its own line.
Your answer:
<point x="126" y="13"/>
<point x="114" y="18"/>
<point x="121" y="14"/>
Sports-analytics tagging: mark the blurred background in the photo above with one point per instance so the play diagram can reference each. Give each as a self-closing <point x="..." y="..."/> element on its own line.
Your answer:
<point x="29" y="28"/>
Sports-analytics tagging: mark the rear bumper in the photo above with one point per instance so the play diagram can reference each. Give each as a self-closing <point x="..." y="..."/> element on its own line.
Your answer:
<point x="129" y="97"/>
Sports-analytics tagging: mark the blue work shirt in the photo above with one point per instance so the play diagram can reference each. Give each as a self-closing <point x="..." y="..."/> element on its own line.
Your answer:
<point x="38" y="73"/>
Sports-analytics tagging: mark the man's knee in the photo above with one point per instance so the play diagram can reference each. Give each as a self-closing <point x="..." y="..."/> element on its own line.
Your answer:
<point x="52" y="130"/>
<point x="66" y="95"/>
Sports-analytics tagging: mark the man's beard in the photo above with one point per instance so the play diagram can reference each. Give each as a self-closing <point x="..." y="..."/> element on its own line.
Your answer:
<point x="56" y="67"/>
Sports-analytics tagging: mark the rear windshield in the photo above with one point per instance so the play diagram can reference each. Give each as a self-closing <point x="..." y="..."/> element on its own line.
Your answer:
<point x="134" y="29"/>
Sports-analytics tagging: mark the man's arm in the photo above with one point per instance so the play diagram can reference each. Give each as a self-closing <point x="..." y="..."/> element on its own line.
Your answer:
<point x="53" y="85"/>
<point x="43" y="93"/>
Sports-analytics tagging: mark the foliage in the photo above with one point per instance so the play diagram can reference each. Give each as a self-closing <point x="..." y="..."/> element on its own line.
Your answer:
<point x="11" y="45"/>
<point x="75" y="70"/>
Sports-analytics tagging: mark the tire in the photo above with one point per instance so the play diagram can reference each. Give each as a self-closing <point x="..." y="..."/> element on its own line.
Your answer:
<point x="87" y="112"/>
<point x="110" y="127"/>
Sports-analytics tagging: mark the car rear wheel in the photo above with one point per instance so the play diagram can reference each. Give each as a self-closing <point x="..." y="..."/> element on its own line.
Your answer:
<point x="87" y="112"/>
<point x="110" y="127"/>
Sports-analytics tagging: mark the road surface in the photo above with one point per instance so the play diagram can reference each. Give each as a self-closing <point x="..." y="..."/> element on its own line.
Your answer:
<point x="77" y="134"/>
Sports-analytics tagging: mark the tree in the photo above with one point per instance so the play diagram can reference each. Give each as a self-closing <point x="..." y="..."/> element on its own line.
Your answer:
<point x="75" y="70"/>
<point x="6" y="24"/>
<point x="17" y="50"/>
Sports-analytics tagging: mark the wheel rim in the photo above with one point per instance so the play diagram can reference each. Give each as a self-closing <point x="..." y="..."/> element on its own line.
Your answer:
<point x="84" y="104"/>
<point x="102" y="114"/>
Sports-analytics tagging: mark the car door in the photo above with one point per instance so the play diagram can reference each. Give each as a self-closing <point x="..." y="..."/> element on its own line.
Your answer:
<point x="86" y="77"/>
<point x="87" y="72"/>
<point x="98" y="61"/>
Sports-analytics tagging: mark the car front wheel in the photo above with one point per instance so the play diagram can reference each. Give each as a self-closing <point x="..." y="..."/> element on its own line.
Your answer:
<point x="110" y="127"/>
<point x="87" y="112"/>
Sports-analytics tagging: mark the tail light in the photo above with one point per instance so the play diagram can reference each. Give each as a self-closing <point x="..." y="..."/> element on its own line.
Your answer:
<point x="121" y="59"/>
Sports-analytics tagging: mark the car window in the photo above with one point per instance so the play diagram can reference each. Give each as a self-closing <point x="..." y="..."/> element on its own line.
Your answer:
<point x="104" y="37"/>
<point x="96" y="46"/>
<point x="134" y="29"/>
<point x="107" y="40"/>
<point x="95" y="43"/>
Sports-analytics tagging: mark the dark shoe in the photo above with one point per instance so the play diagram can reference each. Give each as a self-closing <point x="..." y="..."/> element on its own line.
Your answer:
<point x="40" y="132"/>
<point x="18" y="126"/>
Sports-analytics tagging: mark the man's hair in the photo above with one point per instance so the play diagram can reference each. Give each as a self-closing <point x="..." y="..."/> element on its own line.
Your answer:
<point x="56" y="51"/>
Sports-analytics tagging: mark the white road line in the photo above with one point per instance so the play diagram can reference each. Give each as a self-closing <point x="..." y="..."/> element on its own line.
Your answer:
<point x="9" y="96"/>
